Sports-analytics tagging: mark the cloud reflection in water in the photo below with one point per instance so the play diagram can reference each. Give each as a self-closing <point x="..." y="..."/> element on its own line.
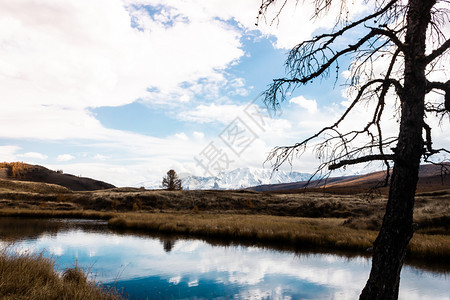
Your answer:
<point x="148" y="267"/>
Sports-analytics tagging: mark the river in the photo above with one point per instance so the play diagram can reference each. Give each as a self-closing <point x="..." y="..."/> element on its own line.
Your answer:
<point x="164" y="267"/>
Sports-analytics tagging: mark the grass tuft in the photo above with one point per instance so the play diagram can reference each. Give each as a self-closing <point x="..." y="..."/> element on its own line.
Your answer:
<point x="75" y="275"/>
<point x="29" y="276"/>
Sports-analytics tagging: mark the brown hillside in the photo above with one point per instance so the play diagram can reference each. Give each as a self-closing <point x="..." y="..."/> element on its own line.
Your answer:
<point x="431" y="178"/>
<point x="15" y="186"/>
<point x="35" y="173"/>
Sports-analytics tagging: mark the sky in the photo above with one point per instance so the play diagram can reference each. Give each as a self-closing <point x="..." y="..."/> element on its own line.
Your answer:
<point x="124" y="90"/>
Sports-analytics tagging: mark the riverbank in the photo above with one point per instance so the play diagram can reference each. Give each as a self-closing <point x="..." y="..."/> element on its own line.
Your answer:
<point x="335" y="234"/>
<point x="27" y="276"/>
<point x="70" y="214"/>
<point x="296" y="232"/>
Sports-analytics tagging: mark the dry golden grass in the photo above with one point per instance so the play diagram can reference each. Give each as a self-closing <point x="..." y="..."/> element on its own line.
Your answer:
<point x="289" y="231"/>
<point x="425" y="246"/>
<point x="12" y="186"/>
<point x="431" y="209"/>
<point x="26" y="276"/>
<point x="86" y="214"/>
<point x="293" y="231"/>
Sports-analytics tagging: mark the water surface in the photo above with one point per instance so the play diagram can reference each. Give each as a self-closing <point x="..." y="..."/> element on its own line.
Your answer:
<point x="167" y="268"/>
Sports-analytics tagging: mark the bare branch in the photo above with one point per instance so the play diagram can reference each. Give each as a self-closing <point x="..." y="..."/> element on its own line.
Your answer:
<point x="263" y="9"/>
<point x="340" y="32"/>
<point x="285" y="153"/>
<point x="444" y="87"/>
<point x="428" y="141"/>
<point x="438" y="85"/>
<point x="304" y="67"/>
<point x="359" y="160"/>
<point x="429" y="151"/>
<point x="320" y="8"/>
<point x="307" y="77"/>
<point x="381" y="104"/>
<point x="438" y="52"/>
<point x="392" y="35"/>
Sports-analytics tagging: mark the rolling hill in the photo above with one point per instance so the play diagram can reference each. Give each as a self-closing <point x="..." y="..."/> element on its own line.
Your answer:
<point x="431" y="178"/>
<point x="35" y="173"/>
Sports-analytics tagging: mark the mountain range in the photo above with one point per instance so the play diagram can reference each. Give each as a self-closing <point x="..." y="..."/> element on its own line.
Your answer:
<point x="431" y="178"/>
<point x="236" y="179"/>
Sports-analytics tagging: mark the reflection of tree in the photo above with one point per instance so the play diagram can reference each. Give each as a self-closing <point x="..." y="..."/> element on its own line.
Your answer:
<point x="168" y="244"/>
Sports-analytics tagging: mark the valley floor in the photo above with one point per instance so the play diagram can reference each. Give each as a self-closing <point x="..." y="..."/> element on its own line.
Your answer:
<point x="294" y="220"/>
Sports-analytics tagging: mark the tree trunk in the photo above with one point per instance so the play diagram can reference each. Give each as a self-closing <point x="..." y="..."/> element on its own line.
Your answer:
<point x="397" y="228"/>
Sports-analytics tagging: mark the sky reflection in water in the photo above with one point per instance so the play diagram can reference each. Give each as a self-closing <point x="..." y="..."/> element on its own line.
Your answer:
<point x="168" y="269"/>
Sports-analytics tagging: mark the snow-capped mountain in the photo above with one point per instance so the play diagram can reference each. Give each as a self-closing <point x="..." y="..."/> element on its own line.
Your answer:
<point x="236" y="179"/>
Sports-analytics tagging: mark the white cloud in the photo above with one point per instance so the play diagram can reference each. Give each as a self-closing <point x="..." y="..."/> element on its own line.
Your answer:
<point x="33" y="155"/>
<point x="293" y="25"/>
<point x="101" y="157"/>
<point x="185" y="98"/>
<point x="309" y="105"/>
<point x="239" y="87"/>
<point x="182" y="136"/>
<point x="8" y="153"/>
<point x="212" y="113"/>
<point x="65" y="157"/>
<point x="72" y="56"/>
<point x="199" y="135"/>
<point x="57" y="60"/>
<point x="50" y="123"/>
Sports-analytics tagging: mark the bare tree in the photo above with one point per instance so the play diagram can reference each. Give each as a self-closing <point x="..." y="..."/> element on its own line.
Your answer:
<point x="171" y="181"/>
<point x="396" y="32"/>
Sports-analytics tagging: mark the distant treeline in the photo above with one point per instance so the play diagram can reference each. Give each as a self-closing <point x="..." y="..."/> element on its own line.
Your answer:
<point x="16" y="169"/>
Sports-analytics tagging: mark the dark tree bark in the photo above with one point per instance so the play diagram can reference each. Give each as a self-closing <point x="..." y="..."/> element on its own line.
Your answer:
<point x="397" y="228"/>
<point x="402" y="32"/>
